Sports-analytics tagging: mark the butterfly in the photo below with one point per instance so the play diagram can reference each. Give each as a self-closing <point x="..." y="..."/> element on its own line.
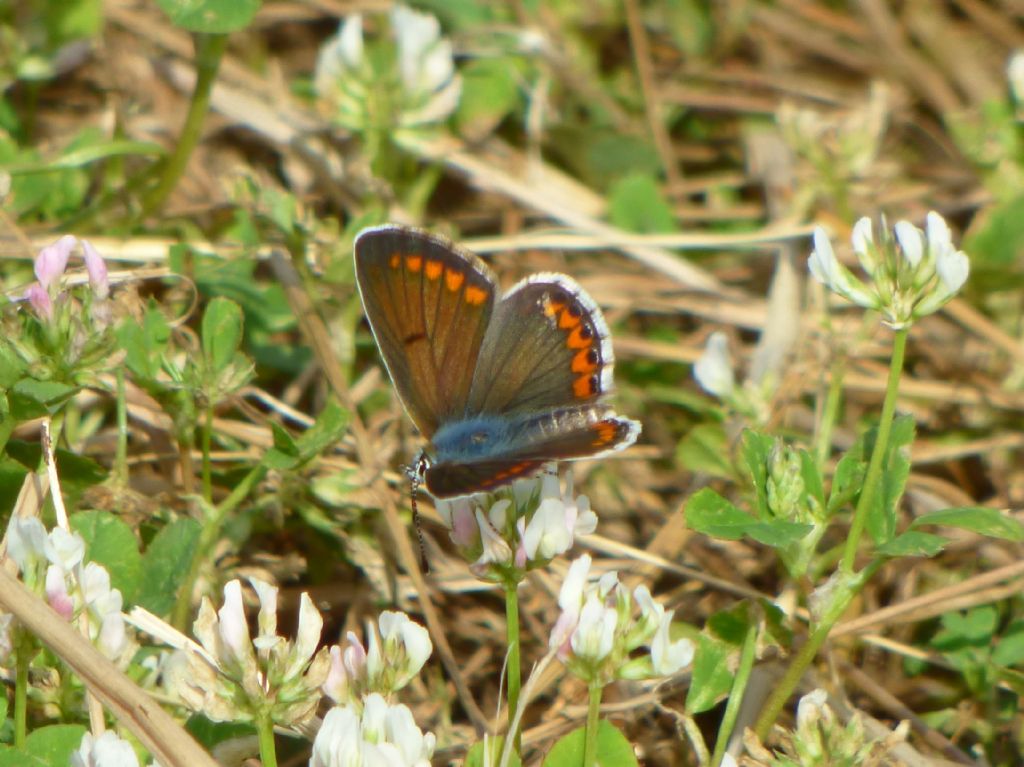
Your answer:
<point x="498" y="384"/>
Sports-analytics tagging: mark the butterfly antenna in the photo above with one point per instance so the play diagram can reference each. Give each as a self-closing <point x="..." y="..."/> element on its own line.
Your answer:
<point x="415" y="479"/>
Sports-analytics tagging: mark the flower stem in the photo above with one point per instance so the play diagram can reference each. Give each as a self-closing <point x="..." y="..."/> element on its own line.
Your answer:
<point x="843" y="596"/>
<point x="208" y="536"/>
<point x="593" y="722"/>
<point x="23" y="654"/>
<point x="120" y="472"/>
<point x="732" y="708"/>
<point x="207" y="437"/>
<point x="829" y="413"/>
<point x="514" y="673"/>
<point x="874" y="473"/>
<point x="209" y="52"/>
<point x="265" y="732"/>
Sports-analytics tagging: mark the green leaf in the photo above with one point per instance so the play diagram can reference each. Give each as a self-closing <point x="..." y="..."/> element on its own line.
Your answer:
<point x="813" y="483"/>
<point x="31" y="398"/>
<point x="912" y="544"/>
<point x="15" y="757"/>
<point x="331" y="425"/>
<point x="210" y="734"/>
<point x="210" y="16"/>
<point x="613" y="750"/>
<point x="54" y="744"/>
<point x="165" y="565"/>
<point x="481" y="756"/>
<point x="11" y="367"/>
<point x="709" y="513"/>
<point x="778" y="533"/>
<point x="848" y="477"/>
<point x="1010" y="648"/>
<point x="489" y="93"/>
<point x="757" y="448"/>
<point x="711" y="677"/>
<point x="111" y="543"/>
<point x="977" y="519"/>
<point x="635" y="204"/>
<point x="222" y="333"/>
<point x="145" y="343"/>
<point x="705" y="449"/>
<point x="881" y="520"/>
<point x="284" y="454"/>
<point x="996" y="236"/>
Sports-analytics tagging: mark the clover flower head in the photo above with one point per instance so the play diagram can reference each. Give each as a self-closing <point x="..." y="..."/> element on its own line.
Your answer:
<point x="910" y="273"/>
<point x="713" y="370"/>
<point x="597" y="633"/>
<point x="372" y="734"/>
<point x="418" y="76"/>
<point x="106" y="750"/>
<point x="523" y="526"/>
<point x="396" y="650"/>
<point x="237" y="677"/>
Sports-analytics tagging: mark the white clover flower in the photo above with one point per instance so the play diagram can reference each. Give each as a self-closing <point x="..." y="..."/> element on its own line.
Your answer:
<point x="594" y="636"/>
<point x="1015" y="76"/>
<point x="237" y="678"/>
<point x="597" y="632"/>
<point x="64" y="548"/>
<point x="107" y="750"/>
<point x="422" y="86"/>
<point x="26" y="542"/>
<point x="390" y="661"/>
<point x="668" y="657"/>
<point x="713" y="370"/>
<point x="554" y="525"/>
<point x="910" y="273"/>
<point x="380" y="735"/>
<point x="809" y="708"/>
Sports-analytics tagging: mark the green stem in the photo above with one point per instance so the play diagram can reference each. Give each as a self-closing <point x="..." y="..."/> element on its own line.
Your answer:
<point x="514" y="673"/>
<point x="829" y="415"/>
<point x="21" y="664"/>
<point x="732" y="708"/>
<point x="593" y="721"/>
<point x="207" y="540"/>
<point x="121" y="455"/>
<point x="843" y="596"/>
<point x="265" y="732"/>
<point x="874" y="473"/>
<point x="209" y="52"/>
<point x="207" y="447"/>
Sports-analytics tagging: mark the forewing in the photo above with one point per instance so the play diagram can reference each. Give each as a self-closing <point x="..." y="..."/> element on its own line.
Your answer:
<point x="428" y="304"/>
<point x="547" y="347"/>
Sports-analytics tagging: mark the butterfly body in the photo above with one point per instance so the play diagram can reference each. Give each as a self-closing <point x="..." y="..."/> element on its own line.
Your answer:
<point x="499" y="385"/>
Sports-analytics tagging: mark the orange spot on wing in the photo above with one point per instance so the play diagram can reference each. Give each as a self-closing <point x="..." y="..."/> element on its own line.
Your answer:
<point x="606" y="433"/>
<point x="581" y="362"/>
<point x="394" y="261"/>
<point x="568" y="320"/>
<point x="583" y="386"/>
<point x="475" y="296"/>
<point x="433" y="270"/>
<point x="453" y="279"/>
<point x="414" y="263"/>
<point x="577" y="338"/>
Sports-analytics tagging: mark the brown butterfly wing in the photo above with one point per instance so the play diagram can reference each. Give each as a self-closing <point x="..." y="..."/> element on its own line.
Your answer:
<point x="547" y="347"/>
<point x="586" y="431"/>
<point x="429" y="304"/>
